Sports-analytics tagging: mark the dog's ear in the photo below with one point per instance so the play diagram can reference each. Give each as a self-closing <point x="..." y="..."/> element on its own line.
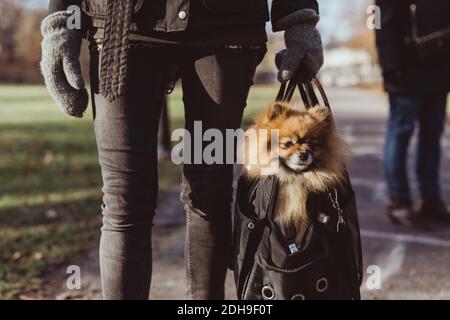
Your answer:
<point x="321" y="114"/>
<point x="277" y="110"/>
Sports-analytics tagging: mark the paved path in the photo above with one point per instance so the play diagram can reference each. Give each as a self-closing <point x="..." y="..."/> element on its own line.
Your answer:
<point x="412" y="264"/>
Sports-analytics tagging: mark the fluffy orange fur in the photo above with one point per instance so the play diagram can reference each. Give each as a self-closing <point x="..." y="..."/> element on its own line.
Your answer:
<point x="312" y="131"/>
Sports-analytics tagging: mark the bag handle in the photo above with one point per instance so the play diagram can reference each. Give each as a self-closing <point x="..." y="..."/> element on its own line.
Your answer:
<point x="307" y="92"/>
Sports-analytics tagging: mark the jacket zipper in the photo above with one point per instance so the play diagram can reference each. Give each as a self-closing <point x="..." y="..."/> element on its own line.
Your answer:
<point x="415" y="32"/>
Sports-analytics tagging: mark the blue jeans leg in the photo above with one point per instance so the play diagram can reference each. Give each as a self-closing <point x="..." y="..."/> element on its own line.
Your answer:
<point x="432" y="122"/>
<point x="404" y="112"/>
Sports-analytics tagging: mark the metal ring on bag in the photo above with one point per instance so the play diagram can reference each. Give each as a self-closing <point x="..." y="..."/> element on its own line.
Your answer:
<point x="322" y="285"/>
<point x="298" y="296"/>
<point x="268" y="293"/>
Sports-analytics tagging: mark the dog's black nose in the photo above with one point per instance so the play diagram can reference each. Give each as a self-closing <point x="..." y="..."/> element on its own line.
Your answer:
<point x="304" y="156"/>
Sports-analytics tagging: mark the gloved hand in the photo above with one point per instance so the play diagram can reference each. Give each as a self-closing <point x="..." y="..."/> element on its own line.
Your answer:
<point x="61" y="66"/>
<point x="304" y="52"/>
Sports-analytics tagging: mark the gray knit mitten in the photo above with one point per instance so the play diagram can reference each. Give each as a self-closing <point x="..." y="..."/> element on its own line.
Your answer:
<point x="304" y="52"/>
<point x="61" y="66"/>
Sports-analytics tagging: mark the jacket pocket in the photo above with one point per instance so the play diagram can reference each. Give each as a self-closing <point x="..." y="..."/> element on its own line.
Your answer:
<point x="234" y="6"/>
<point x="97" y="8"/>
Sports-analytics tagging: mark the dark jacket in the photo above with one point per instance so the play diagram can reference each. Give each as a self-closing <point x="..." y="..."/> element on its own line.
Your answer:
<point x="180" y="15"/>
<point x="188" y="22"/>
<point x="409" y="68"/>
<point x="329" y="265"/>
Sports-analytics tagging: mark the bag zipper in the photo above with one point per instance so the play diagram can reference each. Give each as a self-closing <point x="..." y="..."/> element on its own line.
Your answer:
<point x="335" y="203"/>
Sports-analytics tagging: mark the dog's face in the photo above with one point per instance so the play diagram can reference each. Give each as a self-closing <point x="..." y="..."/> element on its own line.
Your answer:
<point x="303" y="135"/>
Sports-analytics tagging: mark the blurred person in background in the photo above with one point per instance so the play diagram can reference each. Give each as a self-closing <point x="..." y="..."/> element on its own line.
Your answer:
<point x="414" y="53"/>
<point x="135" y="44"/>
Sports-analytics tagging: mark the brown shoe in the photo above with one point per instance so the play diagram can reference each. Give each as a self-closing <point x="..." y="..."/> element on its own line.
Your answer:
<point x="400" y="211"/>
<point x="434" y="208"/>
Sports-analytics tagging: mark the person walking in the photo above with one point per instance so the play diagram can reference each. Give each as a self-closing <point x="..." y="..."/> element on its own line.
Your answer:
<point x="134" y="45"/>
<point x="414" y="52"/>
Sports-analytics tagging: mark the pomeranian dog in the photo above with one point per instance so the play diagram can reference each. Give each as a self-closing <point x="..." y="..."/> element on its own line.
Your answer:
<point x="308" y="156"/>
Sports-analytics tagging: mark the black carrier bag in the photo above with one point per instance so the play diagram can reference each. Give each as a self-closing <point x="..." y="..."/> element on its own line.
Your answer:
<point x="329" y="264"/>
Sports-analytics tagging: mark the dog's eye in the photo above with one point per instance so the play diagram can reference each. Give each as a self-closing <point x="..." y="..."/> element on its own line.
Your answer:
<point x="288" y="144"/>
<point x="314" y="146"/>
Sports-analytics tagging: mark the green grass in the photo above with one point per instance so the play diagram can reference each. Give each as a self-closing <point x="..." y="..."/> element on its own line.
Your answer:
<point x="50" y="183"/>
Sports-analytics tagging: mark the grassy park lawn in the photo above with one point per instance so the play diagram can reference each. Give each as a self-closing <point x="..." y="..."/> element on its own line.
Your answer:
<point x="50" y="183"/>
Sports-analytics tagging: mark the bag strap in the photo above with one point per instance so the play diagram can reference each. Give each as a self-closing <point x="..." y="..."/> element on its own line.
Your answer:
<point x="265" y="193"/>
<point x="307" y="92"/>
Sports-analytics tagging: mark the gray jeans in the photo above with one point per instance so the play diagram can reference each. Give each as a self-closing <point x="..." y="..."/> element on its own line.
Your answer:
<point x="215" y="84"/>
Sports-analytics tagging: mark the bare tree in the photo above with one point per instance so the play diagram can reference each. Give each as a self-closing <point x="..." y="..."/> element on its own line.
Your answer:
<point x="28" y="37"/>
<point x="10" y="19"/>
